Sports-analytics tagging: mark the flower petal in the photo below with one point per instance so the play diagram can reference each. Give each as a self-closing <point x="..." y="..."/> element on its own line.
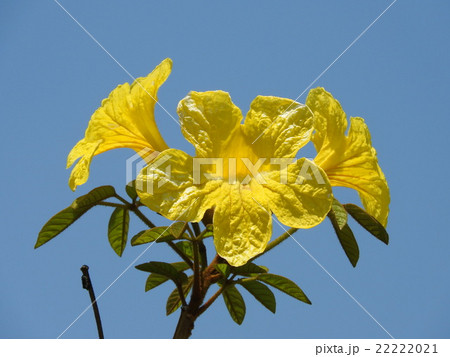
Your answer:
<point x="124" y="120"/>
<point x="278" y="127"/>
<point x="80" y="172"/>
<point x="330" y="120"/>
<point x="349" y="161"/>
<point x="242" y="225"/>
<point x="208" y="120"/>
<point x="166" y="186"/>
<point x="300" y="196"/>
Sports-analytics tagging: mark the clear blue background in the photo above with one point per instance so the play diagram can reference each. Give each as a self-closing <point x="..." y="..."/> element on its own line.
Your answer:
<point x="53" y="77"/>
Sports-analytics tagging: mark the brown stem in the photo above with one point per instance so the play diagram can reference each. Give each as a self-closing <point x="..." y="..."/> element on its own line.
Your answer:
<point x="185" y="324"/>
<point x="210" y="301"/>
<point x="202" y="282"/>
<point x="196" y="289"/>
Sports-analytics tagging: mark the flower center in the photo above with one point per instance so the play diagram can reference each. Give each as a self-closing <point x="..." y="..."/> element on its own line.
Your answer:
<point x="240" y="161"/>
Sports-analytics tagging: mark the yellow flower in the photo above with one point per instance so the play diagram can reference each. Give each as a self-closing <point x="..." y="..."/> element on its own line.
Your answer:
<point x="350" y="160"/>
<point x="243" y="182"/>
<point x="124" y="120"/>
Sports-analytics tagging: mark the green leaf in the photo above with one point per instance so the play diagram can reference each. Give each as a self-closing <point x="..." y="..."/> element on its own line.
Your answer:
<point x="93" y="197"/>
<point x="249" y="269"/>
<point x="177" y="229"/>
<point x="368" y="222"/>
<point x="63" y="219"/>
<point x="155" y="280"/>
<point x="130" y="188"/>
<point x="151" y="235"/>
<point x="207" y="232"/>
<point x="234" y="303"/>
<point x="340" y="213"/>
<point x="180" y="266"/>
<point x="285" y="285"/>
<point x="58" y="223"/>
<point x="174" y="300"/>
<point x="261" y="293"/>
<point x="168" y="270"/>
<point x="346" y="238"/>
<point x="158" y="234"/>
<point x="137" y="235"/>
<point x="223" y="269"/>
<point x="118" y="229"/>
<point x="186" y="248"/>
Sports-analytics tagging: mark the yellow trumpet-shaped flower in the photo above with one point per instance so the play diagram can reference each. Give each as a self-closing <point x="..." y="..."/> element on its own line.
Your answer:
<point x="348" y="160"/>
<point x="124" y="120"/>
<point x="244" y="180"/>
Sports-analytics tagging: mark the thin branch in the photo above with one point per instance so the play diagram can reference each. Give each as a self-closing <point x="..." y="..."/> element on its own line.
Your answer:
<point x="280" y="239"/>
<point x="196" y="289"/>
<point x="193" y="236"/>
<point x="141" y="216"/>
<point x="277" y="241"/>
<point x="111" y="204"/>
<point x="134" y="208"/>
<point x="196" y="228"/>
<point x="203" y="255"/>
<point x="202" y="233"/>
<point x="213" y="298"/>
<point x="87" y="284"/>
<point x="123" y="200"/>
<point x="181" y="254"/>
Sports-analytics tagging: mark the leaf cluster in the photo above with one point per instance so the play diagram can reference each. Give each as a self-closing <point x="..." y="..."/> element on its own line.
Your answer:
<point x="194" y="274"/>
<point x="338" y="216"/>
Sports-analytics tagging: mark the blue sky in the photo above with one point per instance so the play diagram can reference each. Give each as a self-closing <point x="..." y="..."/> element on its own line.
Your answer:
<point x="396" y="77"/>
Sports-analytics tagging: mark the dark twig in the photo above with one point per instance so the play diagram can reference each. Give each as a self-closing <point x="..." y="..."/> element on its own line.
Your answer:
<point x="87" y="284"/>
<point x="197" y="288"/>
<point x="196" y="227"/>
